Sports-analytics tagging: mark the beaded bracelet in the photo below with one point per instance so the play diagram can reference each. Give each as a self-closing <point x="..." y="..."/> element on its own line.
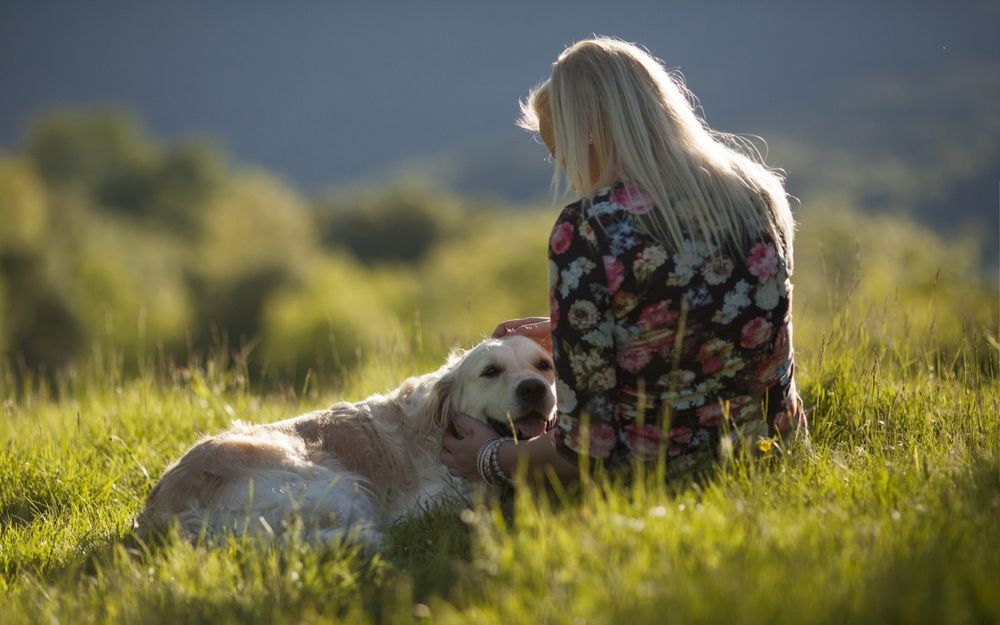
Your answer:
<point x="481" y="460"/>
<point x="495" y="463"/>
<point x="488" y="463"/>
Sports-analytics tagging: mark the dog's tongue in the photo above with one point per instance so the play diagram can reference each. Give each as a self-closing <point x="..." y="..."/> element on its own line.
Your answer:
<point x="530" y="426"/>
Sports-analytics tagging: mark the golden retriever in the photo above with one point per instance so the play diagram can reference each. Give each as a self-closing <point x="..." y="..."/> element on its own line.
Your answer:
<point x="355" y="468"/>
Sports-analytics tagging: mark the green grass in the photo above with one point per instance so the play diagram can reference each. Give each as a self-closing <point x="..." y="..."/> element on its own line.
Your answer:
<point x="892" y="516"/>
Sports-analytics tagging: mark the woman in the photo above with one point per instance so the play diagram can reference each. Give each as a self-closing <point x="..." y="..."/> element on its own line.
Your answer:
<point x="669" y="281"/>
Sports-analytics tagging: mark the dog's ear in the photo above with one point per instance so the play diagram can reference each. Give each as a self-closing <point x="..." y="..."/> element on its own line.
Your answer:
<point x="437" y="410"/>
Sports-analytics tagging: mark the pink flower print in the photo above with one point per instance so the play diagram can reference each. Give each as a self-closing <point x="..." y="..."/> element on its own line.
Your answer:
<point x="615" y="271"/>
<point x="562" y="236"/>
<point x="713" y="355"/>
<point x="553" y="309"/>
<point x="633" y="359"/>
<point x="755" y="332"/>
<point x="710" y="414"/>
<point x="665" y="344"/>
<point x="762" y="261"/>
<point x="740" y="408"/>
<point x="681" y="435"/>
<point x="657" y="315"/>
<point x="645" y="441"/>
<point x="602" y="440"/>
<point x="766" y="372"/>
<point x="633" y="199"/>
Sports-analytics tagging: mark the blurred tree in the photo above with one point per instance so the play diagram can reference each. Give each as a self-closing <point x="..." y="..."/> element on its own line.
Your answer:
<point x="497" y="270"/>
<point x="40" y="328"/>
<point x="332" y="319"/>
<point x="127" y="288"/>
<point x="230" y="307"/>
<point x="3" y="321"/>
<point x="104" y="153"/>
<point x="36" y="325"/>
<point x="183" y="182"/>
<point x="396" y="225"/>
<point x="255" y="235"/>
<point x="23" y="208"/>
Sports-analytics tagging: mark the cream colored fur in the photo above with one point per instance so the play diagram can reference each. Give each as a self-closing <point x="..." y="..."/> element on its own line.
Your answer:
<point x="354" y="468"/>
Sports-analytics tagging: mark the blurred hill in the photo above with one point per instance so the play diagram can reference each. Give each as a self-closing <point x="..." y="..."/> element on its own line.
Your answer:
<point x="116" y="246"/>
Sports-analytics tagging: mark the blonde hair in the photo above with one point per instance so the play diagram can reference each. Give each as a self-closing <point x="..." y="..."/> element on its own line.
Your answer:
<point x="640" y="120"/>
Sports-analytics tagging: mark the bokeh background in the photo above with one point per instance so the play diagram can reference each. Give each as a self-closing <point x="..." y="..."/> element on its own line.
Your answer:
<point x="314" y="185"/>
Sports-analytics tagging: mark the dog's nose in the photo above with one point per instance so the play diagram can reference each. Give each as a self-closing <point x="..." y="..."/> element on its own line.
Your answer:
<point x="532" y="390"/>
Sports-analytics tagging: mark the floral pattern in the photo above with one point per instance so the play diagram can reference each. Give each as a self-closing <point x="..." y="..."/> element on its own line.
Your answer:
<point x="660" y="352"/>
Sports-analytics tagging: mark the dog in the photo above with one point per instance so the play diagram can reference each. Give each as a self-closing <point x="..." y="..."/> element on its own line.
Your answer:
<point x="354" y="469"/>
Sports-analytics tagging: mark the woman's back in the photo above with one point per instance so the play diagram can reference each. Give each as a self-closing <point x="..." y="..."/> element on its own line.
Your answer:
<point x="670" y="297"/>
<point x="665" y="350"/>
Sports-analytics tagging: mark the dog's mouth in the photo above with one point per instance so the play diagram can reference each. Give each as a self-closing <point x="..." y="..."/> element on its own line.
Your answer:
<point x="528" y="425"/>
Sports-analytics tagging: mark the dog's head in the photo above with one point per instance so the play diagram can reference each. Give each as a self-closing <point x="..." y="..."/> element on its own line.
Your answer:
<point x="508" y="383"/>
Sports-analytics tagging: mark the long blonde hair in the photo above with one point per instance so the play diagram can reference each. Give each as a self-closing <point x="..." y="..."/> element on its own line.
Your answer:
<point x="641" y="122"/>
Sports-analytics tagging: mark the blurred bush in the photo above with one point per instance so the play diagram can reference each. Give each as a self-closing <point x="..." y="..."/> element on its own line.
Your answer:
<point x="25" y="220"/>
<point x="497" y="270"/>
<point x="103" y="154"/>
<point x="255" y="236"/>
<point x="127" y="290"/>
<point x="331" y="320"/>
<point x="40" y="330"/>
<point x="37" y="324"/>
<point x="913" y="290"/>
<point x="399" y="224"/>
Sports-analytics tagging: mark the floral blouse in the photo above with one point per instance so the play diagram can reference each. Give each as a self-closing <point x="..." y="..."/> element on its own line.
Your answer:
<point x="661" y="351"/>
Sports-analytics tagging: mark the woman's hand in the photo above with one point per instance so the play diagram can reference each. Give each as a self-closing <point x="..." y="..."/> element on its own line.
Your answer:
<point x="459" y="454"/>
<point x="539" y="453"/>
<point x="538" y="329"/>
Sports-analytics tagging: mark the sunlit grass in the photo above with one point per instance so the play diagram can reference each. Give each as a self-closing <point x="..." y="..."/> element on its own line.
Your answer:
<point x="891" y="517"/>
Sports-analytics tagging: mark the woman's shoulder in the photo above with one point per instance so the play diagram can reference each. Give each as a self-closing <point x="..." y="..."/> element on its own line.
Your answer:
<point x="619" y="201"/>
<point x="621" y="198"/>
<point x="612" y="218"/>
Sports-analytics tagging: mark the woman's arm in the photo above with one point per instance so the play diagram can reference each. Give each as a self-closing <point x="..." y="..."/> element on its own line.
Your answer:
<point x="538" y="454"/>
<point x="584" y="346"/>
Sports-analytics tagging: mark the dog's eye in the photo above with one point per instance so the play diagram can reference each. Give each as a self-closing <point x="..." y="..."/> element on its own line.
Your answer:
<point x="543" y="365"/>
<point x="490" y="372"/>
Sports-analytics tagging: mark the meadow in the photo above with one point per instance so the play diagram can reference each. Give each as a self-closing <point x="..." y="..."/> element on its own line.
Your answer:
<point x="890" y="516"/>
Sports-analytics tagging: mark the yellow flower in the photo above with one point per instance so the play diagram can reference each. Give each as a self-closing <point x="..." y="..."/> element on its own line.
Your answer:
<point x="765" y="444"/>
